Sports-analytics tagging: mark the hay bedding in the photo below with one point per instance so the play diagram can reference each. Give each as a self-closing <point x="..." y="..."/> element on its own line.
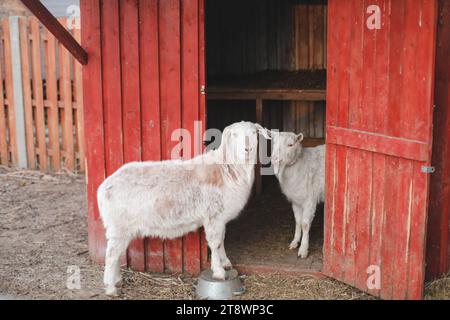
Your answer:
<point x="262" y="233"/>
<point x="43" y="231"/>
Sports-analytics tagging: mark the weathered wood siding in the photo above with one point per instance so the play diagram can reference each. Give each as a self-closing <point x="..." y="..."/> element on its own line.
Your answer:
<point x="267" y="35"/>
<point x="379" y="125"/>
<point x="146" y="66"/>
<point x="52" y="99"/>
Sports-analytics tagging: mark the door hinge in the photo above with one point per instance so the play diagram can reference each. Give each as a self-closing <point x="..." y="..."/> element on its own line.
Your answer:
<point x="202" y="89"/>
<point x="428" y="170"/>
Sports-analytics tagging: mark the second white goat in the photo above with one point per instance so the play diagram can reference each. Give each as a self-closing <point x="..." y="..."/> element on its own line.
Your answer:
<point x="301" y="173"/>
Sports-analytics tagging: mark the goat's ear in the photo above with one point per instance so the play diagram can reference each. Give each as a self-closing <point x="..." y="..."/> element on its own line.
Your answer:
<point x="265" y="132"/>
<point x="300" y="137"/>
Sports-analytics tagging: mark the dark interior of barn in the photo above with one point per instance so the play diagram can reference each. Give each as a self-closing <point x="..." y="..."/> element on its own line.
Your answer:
<point x="266" y="62"/>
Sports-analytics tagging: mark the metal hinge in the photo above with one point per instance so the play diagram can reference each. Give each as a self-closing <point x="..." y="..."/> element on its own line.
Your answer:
<point x="202" y="89"/>
<point x="428" y="170"/>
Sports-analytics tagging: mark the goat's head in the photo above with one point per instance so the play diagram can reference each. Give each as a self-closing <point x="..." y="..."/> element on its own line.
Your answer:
<point x="240" y="142"/>
<point x="286" y="147"/>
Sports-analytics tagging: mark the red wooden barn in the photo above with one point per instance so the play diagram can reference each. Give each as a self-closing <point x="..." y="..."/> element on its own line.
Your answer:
<point x="372" y="77"/>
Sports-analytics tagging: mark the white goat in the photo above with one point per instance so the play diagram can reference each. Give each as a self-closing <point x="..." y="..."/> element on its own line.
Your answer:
<point x="171" y="198"/>
<point x="301" y="173"/>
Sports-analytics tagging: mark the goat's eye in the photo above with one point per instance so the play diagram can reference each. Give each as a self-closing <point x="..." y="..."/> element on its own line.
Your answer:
<point x="247" y="149"/>
<point x="290" y="145"/>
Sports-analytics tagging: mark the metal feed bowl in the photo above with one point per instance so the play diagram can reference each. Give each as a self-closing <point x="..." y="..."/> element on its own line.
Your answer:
<point x="212" y="289"/>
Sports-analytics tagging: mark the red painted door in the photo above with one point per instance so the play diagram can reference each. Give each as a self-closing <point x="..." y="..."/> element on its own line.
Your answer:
<point x="143" y="81"/>
<point x="379" y="135"/>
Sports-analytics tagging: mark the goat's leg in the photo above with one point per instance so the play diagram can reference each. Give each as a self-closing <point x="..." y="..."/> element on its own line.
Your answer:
<point x="116" y="246"/>
<point x="226" y="263"/>
<point x="298" y="214"/>
<point x="215" y="235"/>
<point x="308" y="216"/>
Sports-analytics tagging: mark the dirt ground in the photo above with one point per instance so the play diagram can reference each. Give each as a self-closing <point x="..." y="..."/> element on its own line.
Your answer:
<point x="263" y="233"/>
<point x="43" y="232"/>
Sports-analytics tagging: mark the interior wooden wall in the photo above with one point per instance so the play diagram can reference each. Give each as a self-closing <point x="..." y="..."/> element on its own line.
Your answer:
<point x="438" y="242"/>
<point x="245" y="37"/>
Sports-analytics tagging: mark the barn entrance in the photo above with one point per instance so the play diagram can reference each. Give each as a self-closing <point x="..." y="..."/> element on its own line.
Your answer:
<point x="266" y="62"/>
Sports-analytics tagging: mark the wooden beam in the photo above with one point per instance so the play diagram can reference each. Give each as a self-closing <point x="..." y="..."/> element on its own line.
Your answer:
<point x="216" y="93"/>
<point x="52" y="24"/>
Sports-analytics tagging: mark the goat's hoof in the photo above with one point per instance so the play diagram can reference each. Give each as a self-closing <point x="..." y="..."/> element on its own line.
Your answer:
<point x="219" y="274"/>
<point x="293" y="245"/>
<point x="303" y="254"/>
<point x="111" y="291"/>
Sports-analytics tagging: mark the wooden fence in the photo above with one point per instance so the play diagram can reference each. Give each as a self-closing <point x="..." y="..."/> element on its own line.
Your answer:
<point x="41" y="106"/>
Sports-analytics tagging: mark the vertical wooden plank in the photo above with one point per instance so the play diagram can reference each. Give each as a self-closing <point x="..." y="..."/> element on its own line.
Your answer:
<point x="402" y="226"/>
<point x="388" y="227"/>
<point x="318" y="56"/>
<point x="325" y="34"/>
<point x="26" y="87"/>
<point x="149" y="73"/>
<point x="190" y="90"/>
<point x="302" y="36"/>
<point x="19" y="112"/>
<point x="131" y="104"/>
<point x="394" y="123"/>
<point x="112" y="90"/>
<point x="78" y="81"/>
<point x="369" y="96"/>
<point x="363" y="221"/>
<point x="202" y="111"/>
<point x="330" y="205"/>
<point x="150" y="109"/>
<point x="338" y="35"/>
<point x="423" y="127"/>
<point x="344" y="43"/>
<point x="408" y="72"/>
<point x="319" y="118"/>
<point x="332" y="61"/>
<point x="38" y="93"/>
<point x="3" y="133"/>
<point x="112" y="94"/>
<point x="381" y="75"/>
<point x="377" y="213"/>
<point x="355" y="108"/>
<point x="93" y="122"/>
<point x="351" y="196"/>
<point x="52" y="97"/>
<point x="424" y="79"/>
<point x="291" y="114"/>
<point x="65" y="85"/>
<point x="394" y="126"/>
<point x="311" y="35"/>
<point x="417" y="234"/>
<point x="169" y="41"/>
<point x="438" y="244"/>
<point x="337" y="243"/>
<point x="351" y="112"/>
<point x="379" y="98"/>
<point x="9" y="90"/>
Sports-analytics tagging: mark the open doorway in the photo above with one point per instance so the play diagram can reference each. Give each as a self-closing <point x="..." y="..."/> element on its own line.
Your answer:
<point x="266" y="62"/>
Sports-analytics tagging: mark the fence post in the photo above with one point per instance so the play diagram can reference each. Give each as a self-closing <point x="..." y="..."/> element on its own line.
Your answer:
<point x="18" y="92"/>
